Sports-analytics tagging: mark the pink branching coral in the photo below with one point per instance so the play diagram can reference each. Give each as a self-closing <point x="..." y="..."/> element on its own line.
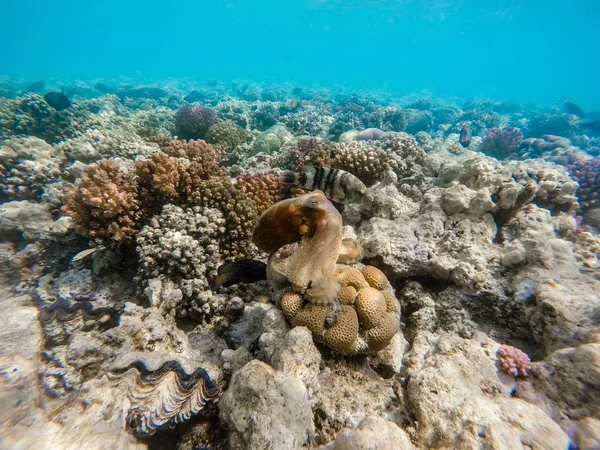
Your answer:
<point x="587" y="174"/>
<point x="513" y="361"/>
<point x="104" y="204"/>
<point x="501" y="143"/>
<point x="193" y="122"/>
<point x="264" y="189"/>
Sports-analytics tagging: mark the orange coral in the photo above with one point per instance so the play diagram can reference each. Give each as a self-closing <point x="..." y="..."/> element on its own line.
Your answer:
<point x="104" y="204"/>
<point x="201" y="162"/>
<point x="263" y="188"/>
<point x="160" y="178"/>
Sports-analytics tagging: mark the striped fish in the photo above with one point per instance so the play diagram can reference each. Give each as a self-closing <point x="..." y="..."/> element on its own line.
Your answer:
<point x="337" y="185"/>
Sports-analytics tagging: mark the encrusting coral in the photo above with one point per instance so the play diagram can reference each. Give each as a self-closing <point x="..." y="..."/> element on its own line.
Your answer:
<point x="352" y="311"/>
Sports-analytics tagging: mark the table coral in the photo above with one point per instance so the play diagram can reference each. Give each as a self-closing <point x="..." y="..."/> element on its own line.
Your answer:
<point x="104" y="204"/>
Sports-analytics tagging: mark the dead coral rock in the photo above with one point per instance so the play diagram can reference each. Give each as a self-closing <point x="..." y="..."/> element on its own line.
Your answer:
<point x="453" y="381"/>
<point x="373" y="433"/>
<point x="570" y="377"/>
<point x="264" y="409"/>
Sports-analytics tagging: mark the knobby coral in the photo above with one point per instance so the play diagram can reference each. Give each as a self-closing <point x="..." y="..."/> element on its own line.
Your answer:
<point x="501" y="143"/>
<point x="192" y="122"/>
<point x="514" y="361"/>
<point x="264" y="189"/>
<point x="587" y="174"/>
<point x="104" y="204"/>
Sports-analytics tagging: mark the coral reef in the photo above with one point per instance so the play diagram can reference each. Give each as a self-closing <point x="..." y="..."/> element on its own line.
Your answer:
<point x="501" y="143"/>
<point x="27" y="166"/>
<point x="193" y="122"/>
<point x="514" y="361"/>
<point x="586" y="174"/>
<point x="104" y="204"/>
<point x="264" y="189"/>
<point x="181" y="246"/>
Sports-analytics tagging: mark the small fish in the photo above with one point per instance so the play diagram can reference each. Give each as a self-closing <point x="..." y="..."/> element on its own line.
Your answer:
<point x="58" y="100"/>
<point x="242" y="271"/>
<point x="84" y="254"/>
<point x="593" y="126"/>
<point x="293" y="104"/>
<point x="103" y="88"/>
<point x="572" y="108"/>
<point x="337" y="185"/>
<point x="465" y="135"/>
<point x="36" y="86"/>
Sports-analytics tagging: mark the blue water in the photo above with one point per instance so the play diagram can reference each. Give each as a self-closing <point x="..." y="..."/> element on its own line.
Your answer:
<point x="516" y="50"/>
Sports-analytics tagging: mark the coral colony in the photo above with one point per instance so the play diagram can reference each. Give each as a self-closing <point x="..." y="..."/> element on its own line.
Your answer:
<point x="234" y="266"/>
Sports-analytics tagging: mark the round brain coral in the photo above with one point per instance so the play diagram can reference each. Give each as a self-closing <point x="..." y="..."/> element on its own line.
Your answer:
<point x="343" y="334"/>
<point x="370" y="306"/>
<point x="104" y="204"/>
<point x="193" y="122"/>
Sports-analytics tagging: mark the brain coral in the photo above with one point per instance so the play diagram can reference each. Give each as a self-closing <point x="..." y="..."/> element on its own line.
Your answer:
<point x="193" y="122"/>
<point x="104" y="204"/>
<point x="362" y="322"/>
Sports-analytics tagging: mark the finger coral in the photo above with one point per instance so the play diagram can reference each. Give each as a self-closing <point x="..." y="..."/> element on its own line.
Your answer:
<point x="238" y="210"/>
<point x="193" y="122"/>
<point x="104" y="204"/>
<point x="263" y="188"/>
<point x="501" y="143"/>
<point x="587" y="174"/>
<point x="514" y="361"/>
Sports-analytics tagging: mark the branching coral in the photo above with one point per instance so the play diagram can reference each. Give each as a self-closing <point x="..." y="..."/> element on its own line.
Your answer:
<point x="239" y="211"/>
<point x="104" y="204"/>
<point x="587" y="174"/>
<point x="182" y="246"/>
<point x="193" y="122"/>
<point x="264" y="189"/>
<point x="501" y="143"/>
<point x="514" y="361"/>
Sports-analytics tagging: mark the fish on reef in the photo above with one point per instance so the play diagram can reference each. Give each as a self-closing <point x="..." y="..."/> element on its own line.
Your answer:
<point x="370" y="134"/>
<point x="465" y="135"/>
<point x="242" y="271"/>
<point x="103" y="88"/>
<point x="58" y="100"/>
<point x="36" y="86"/>
<point x="337" y="185"/>
<point x="572" y="108"/>
<point x="593" y="126"/>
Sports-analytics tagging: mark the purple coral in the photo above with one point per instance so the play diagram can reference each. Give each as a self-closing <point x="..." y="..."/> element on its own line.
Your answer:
<point x="501" y="143"/>
<point x="192" y="122"/>
<point x="587" y="174"/>
<point x="514" y="361"/>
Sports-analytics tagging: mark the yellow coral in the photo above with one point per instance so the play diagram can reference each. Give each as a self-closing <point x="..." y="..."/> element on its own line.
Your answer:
<point x="311" y="317"/>
<point x="351" y="276"/>
<point x="370" y="306"/>
<point x="343" y="334"/>
<point x="347" y="295"/>
<point x="291" y="302"/>
<point x="392" y="304"/>
<point x="381" y="335"/>
<point x="375" y="277"/>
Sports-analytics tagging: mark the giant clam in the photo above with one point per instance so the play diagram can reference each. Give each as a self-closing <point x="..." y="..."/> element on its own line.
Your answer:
<point x="162" y="397"/>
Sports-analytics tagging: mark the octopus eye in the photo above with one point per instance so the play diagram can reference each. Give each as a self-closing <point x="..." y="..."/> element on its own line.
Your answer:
<point x="312" y="202"/>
